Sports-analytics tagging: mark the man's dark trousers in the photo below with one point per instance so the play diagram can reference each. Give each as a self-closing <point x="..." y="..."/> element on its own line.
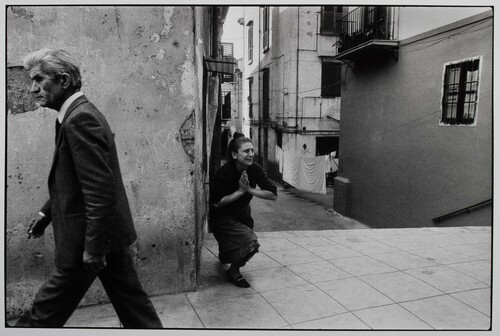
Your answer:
<point x="60" y="294"/>
<point x="89" y="211"/>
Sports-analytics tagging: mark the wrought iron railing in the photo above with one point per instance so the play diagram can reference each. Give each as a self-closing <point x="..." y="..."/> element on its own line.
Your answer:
<point x="367" y="23"/>
<point x="462" y="211"/>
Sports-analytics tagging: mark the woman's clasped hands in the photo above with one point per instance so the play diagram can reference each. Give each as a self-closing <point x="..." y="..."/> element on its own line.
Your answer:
<point x="244" y="182"/>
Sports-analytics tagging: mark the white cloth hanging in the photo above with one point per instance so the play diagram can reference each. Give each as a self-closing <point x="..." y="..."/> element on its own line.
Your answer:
<point x="279" y="156"/>
<point x="291" y="169"/>
<point x="306" y="173"/>
<point x="332" y="163"/>
<point x="313" y="174"/>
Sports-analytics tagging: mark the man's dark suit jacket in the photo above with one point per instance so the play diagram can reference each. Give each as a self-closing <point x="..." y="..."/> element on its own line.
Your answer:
<point x="88" y="204"/>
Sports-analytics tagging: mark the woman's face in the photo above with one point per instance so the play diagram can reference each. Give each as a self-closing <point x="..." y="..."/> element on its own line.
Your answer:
<point x="244" y="156"/>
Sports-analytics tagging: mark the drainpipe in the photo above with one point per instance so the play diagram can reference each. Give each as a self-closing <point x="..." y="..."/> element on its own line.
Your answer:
<point x="258" y="95"/>
<point x="297" y="75"/>
<point x="282" y="57"/>
<point x="244" y="111"/>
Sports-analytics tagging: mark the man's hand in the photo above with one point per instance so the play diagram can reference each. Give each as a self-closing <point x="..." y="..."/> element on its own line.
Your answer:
<point x="37" y="227"/>
<point x="93" y="263"/>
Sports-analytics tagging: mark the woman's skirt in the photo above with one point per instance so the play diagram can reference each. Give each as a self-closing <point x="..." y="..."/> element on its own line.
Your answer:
<point x="234" y="233"/>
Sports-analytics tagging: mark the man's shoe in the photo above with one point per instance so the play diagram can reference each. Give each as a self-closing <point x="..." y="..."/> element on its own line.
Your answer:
<point x="238" y="281"/>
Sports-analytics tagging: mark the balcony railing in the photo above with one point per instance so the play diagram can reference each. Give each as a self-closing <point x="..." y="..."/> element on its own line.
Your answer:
<point x="366" y="23"/>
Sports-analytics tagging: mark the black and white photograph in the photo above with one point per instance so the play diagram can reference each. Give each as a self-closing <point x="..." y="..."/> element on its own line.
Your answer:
<point x="199" y="168"/>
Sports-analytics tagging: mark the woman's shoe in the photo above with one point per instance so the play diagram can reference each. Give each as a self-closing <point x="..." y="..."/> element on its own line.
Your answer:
<point x="238" y="281"/>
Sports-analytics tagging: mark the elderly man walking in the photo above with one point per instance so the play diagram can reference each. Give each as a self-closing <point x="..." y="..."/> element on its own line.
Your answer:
<point x="88" y="207"/>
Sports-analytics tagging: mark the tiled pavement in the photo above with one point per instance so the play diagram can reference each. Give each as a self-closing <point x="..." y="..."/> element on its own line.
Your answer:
<point x="382" y="279"/>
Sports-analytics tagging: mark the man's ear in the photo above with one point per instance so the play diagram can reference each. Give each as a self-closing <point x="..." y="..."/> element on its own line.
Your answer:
<point x="234" y="155"/>
<point x="65" y="80"/>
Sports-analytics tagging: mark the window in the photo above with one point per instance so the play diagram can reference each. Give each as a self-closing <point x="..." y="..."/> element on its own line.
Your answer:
<point x="330" y="79"/>
<point x="331" y="20"/>
<point x="250" y="104"/>
<point x="460" y="92"/>
<point x="265" y="94"/>
<point x="265" y="28"/>
<point x="327" y="145"/>
<point x="370" y="15"/>
<point x="250" y="41"/>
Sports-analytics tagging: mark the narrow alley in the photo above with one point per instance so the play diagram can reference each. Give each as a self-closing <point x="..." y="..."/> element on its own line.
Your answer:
<point x="297" y="210"/>
<point x="389" y="108"/>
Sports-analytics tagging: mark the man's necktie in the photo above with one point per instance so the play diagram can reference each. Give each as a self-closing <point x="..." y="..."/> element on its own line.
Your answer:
<point x="58" y="128"/>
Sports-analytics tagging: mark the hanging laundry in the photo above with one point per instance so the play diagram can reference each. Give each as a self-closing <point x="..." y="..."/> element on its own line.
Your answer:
<point x="306" y="173"/>
<point x="279" y="156"/>
<point x="332" y="163"/>
<point x="313" y="174"/>
<point x="291" y="169"/>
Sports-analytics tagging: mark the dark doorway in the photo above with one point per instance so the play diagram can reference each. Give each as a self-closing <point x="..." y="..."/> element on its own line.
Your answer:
<point x="224" y="142"/>
<point x="326" y="145"/>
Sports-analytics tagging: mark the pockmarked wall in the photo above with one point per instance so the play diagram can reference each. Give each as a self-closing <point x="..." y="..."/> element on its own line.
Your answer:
<point x="405" y="168"/>
<point x="139" y="69"/>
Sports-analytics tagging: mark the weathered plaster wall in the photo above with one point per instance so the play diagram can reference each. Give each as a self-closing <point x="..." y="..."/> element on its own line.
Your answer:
<point x="138" y="66"/>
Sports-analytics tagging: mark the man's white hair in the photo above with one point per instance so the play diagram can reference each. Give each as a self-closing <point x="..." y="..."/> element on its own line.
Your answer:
<point x="55" y="62"/>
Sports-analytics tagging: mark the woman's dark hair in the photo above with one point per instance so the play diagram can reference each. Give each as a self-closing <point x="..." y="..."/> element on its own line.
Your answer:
<point x="235" y="144"/>
<point x="237" y="135"/>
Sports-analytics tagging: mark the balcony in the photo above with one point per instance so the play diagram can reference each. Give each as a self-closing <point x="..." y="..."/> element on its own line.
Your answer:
<point x="368" y="31"/>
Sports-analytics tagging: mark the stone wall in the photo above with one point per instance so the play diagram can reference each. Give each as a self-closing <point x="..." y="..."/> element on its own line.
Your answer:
<point x="139" y="68"/>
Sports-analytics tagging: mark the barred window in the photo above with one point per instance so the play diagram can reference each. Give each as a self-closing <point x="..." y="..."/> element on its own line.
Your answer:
<point x="460" y="92"/>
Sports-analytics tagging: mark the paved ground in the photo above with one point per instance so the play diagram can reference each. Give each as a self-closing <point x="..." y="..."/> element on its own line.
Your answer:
<point x="360" y="279"/>
<point x="298" y="210"/>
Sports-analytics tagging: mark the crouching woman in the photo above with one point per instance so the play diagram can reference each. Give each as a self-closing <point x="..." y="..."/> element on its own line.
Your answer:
<point x="231" y="221"/>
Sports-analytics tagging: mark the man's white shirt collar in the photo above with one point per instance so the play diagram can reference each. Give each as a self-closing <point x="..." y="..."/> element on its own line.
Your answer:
<point x="66" y="104"/>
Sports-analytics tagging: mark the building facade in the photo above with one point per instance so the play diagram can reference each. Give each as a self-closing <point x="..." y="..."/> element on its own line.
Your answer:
<point x="231" y="99"/>
<point x="291" y="94"/>
<point x="151" y="71"/>
<point x="416" y="140"/>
